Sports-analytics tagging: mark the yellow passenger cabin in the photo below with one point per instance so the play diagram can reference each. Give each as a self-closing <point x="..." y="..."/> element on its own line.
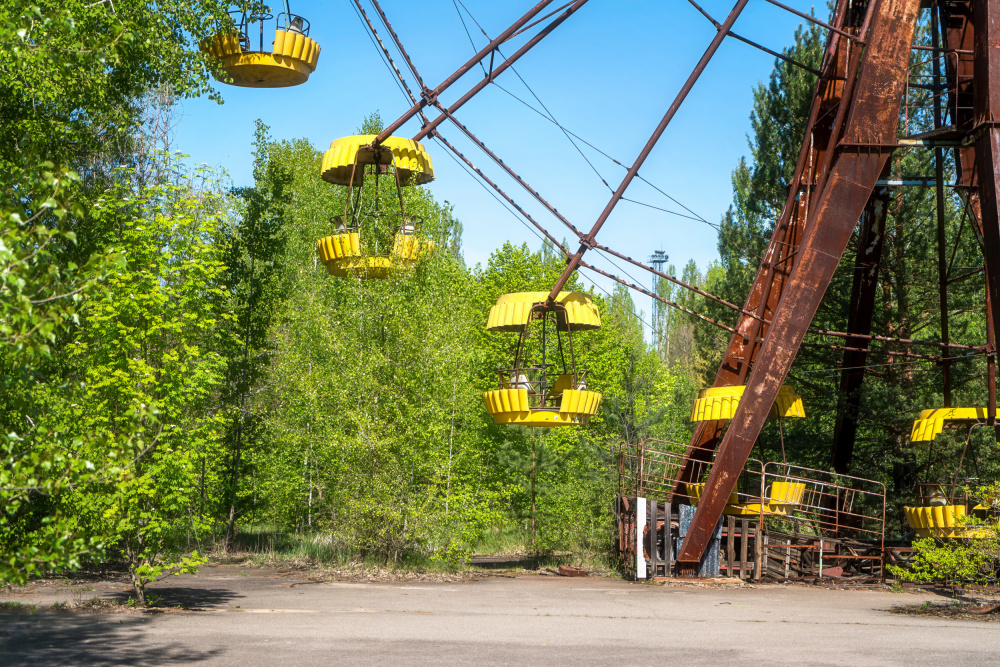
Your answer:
<point x="375" y="237"/>
<point x="263" y="50"/>
<point x="543" y="387"/>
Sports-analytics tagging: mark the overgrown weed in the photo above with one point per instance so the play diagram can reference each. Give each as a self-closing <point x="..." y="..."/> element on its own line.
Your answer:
<point x="266" y="546"/>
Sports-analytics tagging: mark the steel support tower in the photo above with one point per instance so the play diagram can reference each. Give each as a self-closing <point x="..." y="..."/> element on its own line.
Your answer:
<point x="850" y="137"/>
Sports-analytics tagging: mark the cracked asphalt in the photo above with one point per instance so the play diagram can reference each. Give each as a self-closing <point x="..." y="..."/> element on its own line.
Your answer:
<point x="255" y="617"/>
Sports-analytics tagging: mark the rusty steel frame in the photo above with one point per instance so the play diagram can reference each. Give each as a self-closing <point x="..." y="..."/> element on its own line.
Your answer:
<point x="428" y="96"/>
<point x="781" y="254"/>
<point x="864" y="291"/>
<point x="959" y="37"/>
<point x="587" y="240"/>
<point x="986" y="106"/>
<point x="813" y="19"/>
<point x="510" y="172"/>
<point x="499" y="69"/>
<point x="749" y="42"/>
<point x="866" y="119"/>
<point x="435" y="133"/>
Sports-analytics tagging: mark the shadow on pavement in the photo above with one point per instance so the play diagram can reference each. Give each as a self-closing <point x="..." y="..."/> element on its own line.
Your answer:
<point x="505" y="562"/>
<point x="49" y="638"/>
<point x="186" y="597"/>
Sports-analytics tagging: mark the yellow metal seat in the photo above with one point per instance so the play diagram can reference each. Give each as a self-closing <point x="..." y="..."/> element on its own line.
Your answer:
<point x="695" y="491"/>
<point x="563" y="382"/>
<point x="409" y="248"/>
<point x="339" y="246"/>
<point x="931" y="422"/>
<point x="291" y="62"/>
<point x="782" y="499"/>
<point x="943" y="521"/>
<point x="411" y="162"/>
<point x="718" y="403"/>
<point x="511" y="312"/>
<point x="512" y="406"/>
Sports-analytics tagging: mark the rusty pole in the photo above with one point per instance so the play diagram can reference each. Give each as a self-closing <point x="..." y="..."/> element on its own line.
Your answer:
<point x="960" y="42"/>
<point x="461" y="71"/>
<point x="942" y="250"/>
<point x="499" y="69"/>
<point x="864" y="292"/>
<point x="991" y="363"/>
<point x="587" y="240"/>
<point x="986" y="106"/>
<point x="397" y="42"/>
<point x="388" y="56"/>
<point x="538" y="226"/>
<point x="503" y="165"/>
<point x="869" y="130"/>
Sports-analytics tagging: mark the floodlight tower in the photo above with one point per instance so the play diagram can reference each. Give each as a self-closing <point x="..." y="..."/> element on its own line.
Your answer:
<point x="661" y="314"/>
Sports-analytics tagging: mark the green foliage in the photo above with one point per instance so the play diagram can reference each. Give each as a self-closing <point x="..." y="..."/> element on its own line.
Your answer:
<point x="953" y="561"/>
<point x="131" y="408"/>
<point x="254" y="248"/>
<point x="40" y="296"/>
<point x="73" y="78"/>
<point x="72" y="72"/>
<point x="368" y="393"/>
<point x="147" y="368"/>
<point x="40" y="299"/>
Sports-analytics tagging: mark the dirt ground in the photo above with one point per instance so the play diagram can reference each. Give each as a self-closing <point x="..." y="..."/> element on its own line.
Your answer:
<point x="228" y="615"/>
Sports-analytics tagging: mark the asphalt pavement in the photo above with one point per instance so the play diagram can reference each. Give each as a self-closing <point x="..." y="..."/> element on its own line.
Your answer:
<point x="249" y="617"/>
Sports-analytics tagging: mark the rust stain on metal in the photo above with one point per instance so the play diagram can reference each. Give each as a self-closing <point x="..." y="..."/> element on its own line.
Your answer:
<point x="867" y="115"/>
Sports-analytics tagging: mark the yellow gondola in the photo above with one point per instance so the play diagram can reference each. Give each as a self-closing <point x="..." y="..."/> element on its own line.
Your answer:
<point x="780" y="499"/>
<point x="932" y="422"/>
<point x="718" y="403"/>
<point x="374" y="244"/>
<point x="944" y="522"/>
<point x="531" y="393"/>
<point x="289" y="61"/>
<point x="947" y="511"/>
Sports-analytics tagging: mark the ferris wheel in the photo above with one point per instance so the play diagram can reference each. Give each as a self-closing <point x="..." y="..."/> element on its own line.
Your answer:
<point x="858" y="117"/>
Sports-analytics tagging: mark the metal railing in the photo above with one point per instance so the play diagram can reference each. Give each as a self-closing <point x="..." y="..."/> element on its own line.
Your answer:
<point x="541" y="383"/>
<point x="826" y="504"/>
<point x="246" y="22"/>
<point x="831" y="505"/>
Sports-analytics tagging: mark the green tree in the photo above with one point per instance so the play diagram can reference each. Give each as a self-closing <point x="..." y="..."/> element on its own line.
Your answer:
<point x="72" y="73"/>
<point x="145" y="368"/>
<point x="40" y="300"/>
<point x="254" y="253"/>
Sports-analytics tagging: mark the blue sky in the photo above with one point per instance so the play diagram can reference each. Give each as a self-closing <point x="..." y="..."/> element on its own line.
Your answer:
<point x="608" y="74"/>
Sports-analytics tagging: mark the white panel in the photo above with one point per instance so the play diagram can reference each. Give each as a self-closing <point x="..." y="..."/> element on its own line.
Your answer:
<point x="640" y="523"/>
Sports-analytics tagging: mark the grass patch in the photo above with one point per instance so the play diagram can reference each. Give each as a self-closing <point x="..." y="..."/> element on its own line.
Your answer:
<point x="983" y="611"/>
<point x="261" y="546"/>
<point x="266" y="546"/>
<point x="18" y="606"/>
